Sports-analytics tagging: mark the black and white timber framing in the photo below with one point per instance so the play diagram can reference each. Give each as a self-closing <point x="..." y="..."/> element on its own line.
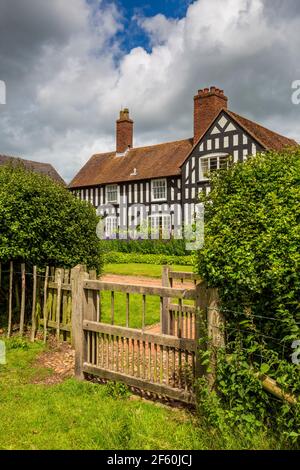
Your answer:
<point x="225" y="138"/>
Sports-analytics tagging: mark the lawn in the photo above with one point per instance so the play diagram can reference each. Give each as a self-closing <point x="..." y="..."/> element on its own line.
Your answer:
<point x="152" y="315"/>
<point x="147" y="270"/>
<point x="152" y="303"/>
<point x="82" y="415"/>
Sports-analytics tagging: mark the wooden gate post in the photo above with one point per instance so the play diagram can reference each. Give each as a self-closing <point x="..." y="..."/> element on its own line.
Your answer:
<point x="164" y="321"/>
<point x="78" y="303"/>
<point x="216" y="332"/>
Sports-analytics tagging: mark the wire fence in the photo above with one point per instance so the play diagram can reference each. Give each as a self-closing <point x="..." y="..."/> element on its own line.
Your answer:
<point x="262" y="339"/>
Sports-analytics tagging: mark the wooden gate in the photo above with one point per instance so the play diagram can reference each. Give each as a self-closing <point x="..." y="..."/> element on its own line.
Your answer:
<point x="160" y="363"/>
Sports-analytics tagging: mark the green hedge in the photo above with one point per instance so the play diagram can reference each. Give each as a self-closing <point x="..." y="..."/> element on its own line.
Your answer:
<point x="251" y="254"/>
<point x="162" y="247"/>
<point x="42" y="223"/>
<point x="123" y="258"/>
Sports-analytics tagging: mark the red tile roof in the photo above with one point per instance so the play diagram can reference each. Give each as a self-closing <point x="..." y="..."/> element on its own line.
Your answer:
<point x="269" y="139"/>
<point x="154" y="161"/>
<point x="162" y="160"/>
<point x="38" y="167"/>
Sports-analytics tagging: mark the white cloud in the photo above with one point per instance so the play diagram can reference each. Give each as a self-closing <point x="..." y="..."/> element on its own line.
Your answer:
<point x="67" y="75"/>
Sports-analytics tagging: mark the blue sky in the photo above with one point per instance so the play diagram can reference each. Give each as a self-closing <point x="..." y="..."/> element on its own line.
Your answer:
<point x="169" y="8"/>
<point x="133" y="35"/>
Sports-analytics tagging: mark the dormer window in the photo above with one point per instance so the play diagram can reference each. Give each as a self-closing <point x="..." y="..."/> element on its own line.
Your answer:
<point x="159" y="190"/>
<point x="112" y="194"/>
<point x="211" y="163"/>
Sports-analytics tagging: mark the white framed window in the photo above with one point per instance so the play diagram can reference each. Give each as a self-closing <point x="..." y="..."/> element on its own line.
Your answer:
<point x="213" y="162"/>
<point x="111" y="226"/>
<point x="159" y="189"/>
<point x="112" y="194"/>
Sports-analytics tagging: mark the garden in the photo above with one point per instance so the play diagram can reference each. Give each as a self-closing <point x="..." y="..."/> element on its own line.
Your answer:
<point x="251" y="255"/>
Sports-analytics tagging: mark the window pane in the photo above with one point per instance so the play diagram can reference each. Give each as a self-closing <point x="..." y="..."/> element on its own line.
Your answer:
<point x="224" y="162"/>
<point x="159" y="189"/>
<point x="112" y="193"/>
<point x="213" y="164"/>
<point x="204" y="166"/>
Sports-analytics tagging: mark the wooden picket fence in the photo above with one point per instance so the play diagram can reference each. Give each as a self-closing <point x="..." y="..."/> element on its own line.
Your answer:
<point x="39" y="298"/>
<point x="69" y="304"/>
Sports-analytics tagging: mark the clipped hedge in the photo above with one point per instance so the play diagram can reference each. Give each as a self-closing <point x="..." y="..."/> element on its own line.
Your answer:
<point x="139" y="258"/>
<point x="42" y="223"/>
<point x="162" y="247"/>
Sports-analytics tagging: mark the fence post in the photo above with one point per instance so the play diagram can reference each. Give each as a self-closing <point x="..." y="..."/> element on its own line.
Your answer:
<point x="59" y="278"/>
<point x="200" y="326"/>
<point x="216" y="332"/>
<point x="11" y="275"/>
<point x="164" y="321"/>
<point x="45" y="310"/>
<point x="78" y="297"/>
<point x="23" y="286"/>
<point x="33" y="312"/>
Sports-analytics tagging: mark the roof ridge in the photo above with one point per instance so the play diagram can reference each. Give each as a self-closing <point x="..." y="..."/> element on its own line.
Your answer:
<point x="15" y="157"/>
<point x="36" y="166"/>
<point x="238" y="116"/>
<point x="163" y="143"/>
<point x="189" y="139"/>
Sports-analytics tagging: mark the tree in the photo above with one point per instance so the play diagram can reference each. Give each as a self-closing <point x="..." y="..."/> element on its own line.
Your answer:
<point x="41" y="222"/>
<point x="252" y="238"/>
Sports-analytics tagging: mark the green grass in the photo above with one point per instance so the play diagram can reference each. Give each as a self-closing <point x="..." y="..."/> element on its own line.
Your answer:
<point x="135" y="308"/>
<point x="82" y="415"/>
<point x="152" y="305"/>
<point x="147" y="270"/>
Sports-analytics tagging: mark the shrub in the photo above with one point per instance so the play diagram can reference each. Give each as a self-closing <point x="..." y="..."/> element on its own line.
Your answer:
<point x="251" y="254"/>
<point x="170" y="247"/>
<point x="252" y="239"/>
<point x="42" y="223"/>
<point x="124" y="258"/>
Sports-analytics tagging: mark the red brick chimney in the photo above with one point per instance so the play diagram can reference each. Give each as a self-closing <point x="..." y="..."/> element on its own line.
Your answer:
<point x="124" y="131"/>
<point x="207" y="104"/>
